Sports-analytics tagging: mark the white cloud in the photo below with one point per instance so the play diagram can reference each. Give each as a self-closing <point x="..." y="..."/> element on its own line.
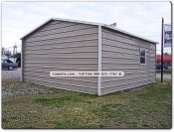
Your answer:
<point x="139" y="18"/>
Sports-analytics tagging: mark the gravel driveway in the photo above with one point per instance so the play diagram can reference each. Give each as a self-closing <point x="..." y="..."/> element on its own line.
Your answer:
<point x="11" y="74"/>
<point x="11" y="85"/>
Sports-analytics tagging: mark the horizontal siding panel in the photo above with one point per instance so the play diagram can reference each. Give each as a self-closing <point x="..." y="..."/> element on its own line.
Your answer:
<point x="116" y="33"/>
<point x="46" y="71"/>
<point x="91" y="43"/>
<point x="68" y="34"/>
<point x="119" y="44"/>
<point x="63" y="86"/>
<point x="63" y="65"/>
<point x="115" y="49"/>
<point x="125" y="36"/>
<point x="125" y="80"/>
<point x="152" y="52"/>
<point x="46" y="74"/>
<point x="61" y="62"/>
<point x="70" y="28"/>
<point x="122" y="50"/>
<point x="64" y="81"/>
<point x="58" y="25"/>
<point x="151" y="55"/>
<point x="62" y="46"/>
<point x="124" y="87"/>
<point x="88" y="37"/>
<point x="135" y="59"/>
<point x="121" y="53"/>
<point x="116" y="79"/>
<point x="56" y="54"/>
<point x="65" y="51"/>
<point x="121" y="60"/>
<point x="128" y="73"/>
<point x="33" y="68"/>
<point x="70" y="85"/>
<point x="53" y="61"/>
<point x="121" y="68"/>
<point x="104" y="52"/>
<point x="136" y="72"/>
<point x="126" y="84"/>
<point x="41" y="28"/>
<point x="63" y="25"/>
<point x="152" y="68"/>
<point x="83" y="61"/>
<point x="123" y="40"/>
<point x="62" y="56"/>
<point x="113" y="81"/>
<point x="152" y="60"/>
<point x="83" y="79"/>
<point x="152" y="47"/>
<point x="118" y="55"/>
<point x="122" y="63"/>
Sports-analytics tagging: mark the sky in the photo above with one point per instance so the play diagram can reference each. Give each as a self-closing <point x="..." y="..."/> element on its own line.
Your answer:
<point x="140" y="18"/>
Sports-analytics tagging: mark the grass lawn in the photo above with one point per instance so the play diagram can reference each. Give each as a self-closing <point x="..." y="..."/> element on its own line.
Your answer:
<point x="169" y="71"/>
<point x="27" y="105"/>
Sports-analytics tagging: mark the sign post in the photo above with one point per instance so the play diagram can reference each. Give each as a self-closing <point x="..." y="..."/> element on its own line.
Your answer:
<point x="162" y="35"/>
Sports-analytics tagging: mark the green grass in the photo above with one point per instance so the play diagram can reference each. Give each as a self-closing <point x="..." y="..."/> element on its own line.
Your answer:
<point x="169" y="71"/>
<point x="146" y="107"/>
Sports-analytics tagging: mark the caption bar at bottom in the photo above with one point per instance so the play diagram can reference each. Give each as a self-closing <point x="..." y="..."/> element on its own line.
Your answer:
<point x="86" y="73"/>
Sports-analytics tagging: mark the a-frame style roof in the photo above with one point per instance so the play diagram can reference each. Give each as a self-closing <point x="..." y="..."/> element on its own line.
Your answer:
<point x="89" y="23"/>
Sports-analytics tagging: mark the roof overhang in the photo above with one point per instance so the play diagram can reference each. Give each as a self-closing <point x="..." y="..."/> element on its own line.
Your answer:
<point x="89" y="23"/>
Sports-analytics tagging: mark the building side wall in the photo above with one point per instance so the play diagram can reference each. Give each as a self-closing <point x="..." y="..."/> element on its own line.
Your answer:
<point x="121" y="53"/>
<point x="62" y="46"/>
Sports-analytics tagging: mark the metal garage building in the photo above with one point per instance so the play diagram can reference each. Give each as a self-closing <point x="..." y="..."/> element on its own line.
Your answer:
<point x="69" y="45"/>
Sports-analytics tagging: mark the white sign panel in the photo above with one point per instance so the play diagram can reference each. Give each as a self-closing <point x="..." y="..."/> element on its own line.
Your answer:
<point x="167" y="35"/>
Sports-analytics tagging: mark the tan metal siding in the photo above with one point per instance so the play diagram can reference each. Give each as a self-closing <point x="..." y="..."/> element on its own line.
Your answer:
<point x="59" y="85"/>
<point x="70" y="44"/>
<point x="63" y="40"/>
<point x="63" y="35"/>
<point x="62" y="46"/>
<point x="121" y="53"/>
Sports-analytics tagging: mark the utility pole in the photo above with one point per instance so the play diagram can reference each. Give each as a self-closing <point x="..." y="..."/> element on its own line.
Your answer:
<point x="14" y="49"/>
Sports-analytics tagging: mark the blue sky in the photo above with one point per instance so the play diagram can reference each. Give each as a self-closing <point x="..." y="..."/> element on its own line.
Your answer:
<point x="140" y="18"/>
